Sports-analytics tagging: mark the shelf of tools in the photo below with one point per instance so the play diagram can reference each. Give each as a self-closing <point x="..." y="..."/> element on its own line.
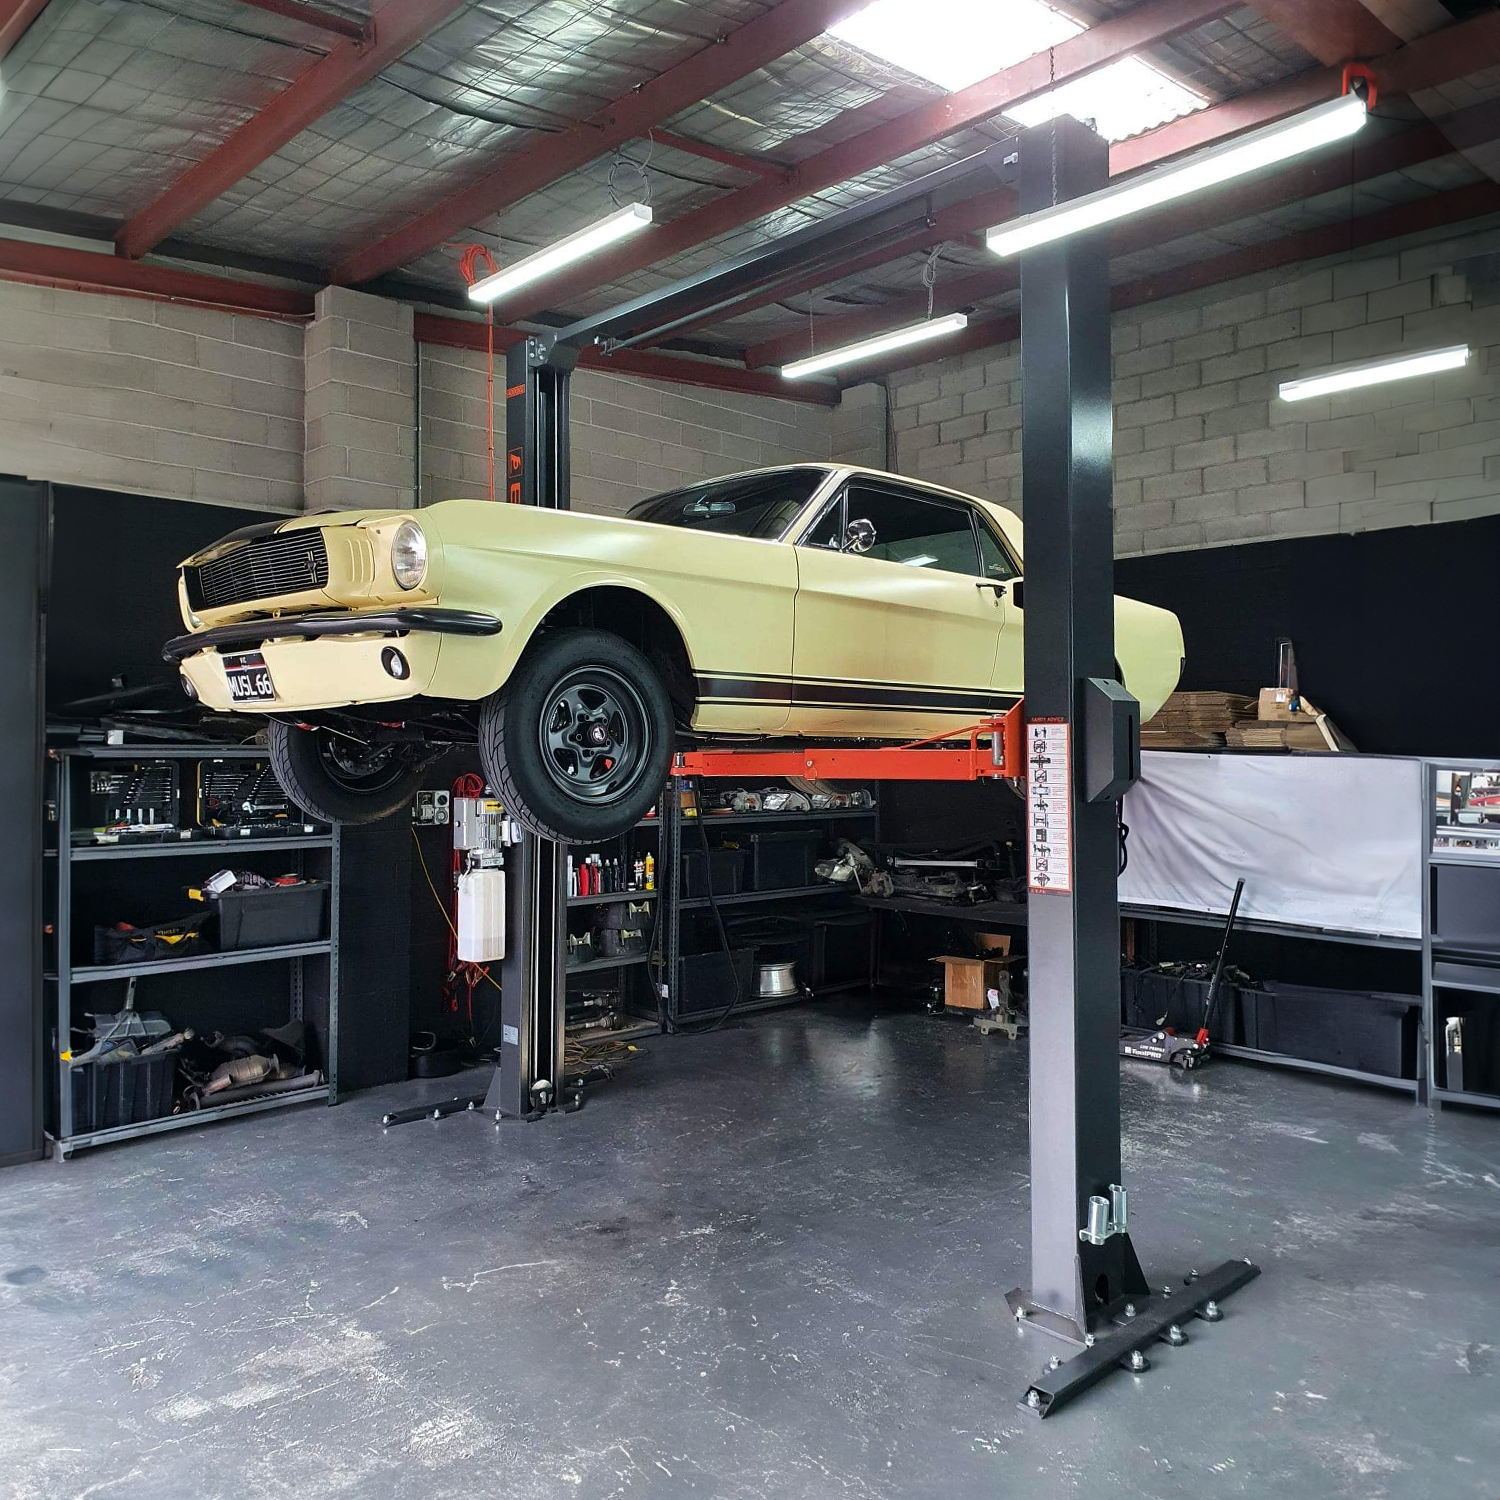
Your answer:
<point x="746" y="923"/>
<point x="177" y="998"/>
<point x="1461" y="931"/>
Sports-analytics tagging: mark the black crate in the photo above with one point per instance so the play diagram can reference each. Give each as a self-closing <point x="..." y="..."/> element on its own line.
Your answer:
<point x="728" y="872"/>
<point x="776" y="938"/>
<point x="1465" y="905"/>
<point x="272" y="916"/>
<point x="841" y="948"/>
<point x="1481" y="1039"/>
<point x="783" y="859"/>
<point x="1365" y="1030"/>
<point x="1146" y="996"/>
<point x="107" y="1094"/>
<point x="706" y="981"/>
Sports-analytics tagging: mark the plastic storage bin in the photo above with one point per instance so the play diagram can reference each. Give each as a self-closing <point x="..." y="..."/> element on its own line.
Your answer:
<point x="841" y="948"/>
<point x="1146" y="996"/>
<point x="727" y="867"/>
<point x="1360" y="1029"/>
<point x="273" y="916"/>
<point x="706" y="981"/>
<point x="106" y="1094"/>
<point x="783" y="859"/>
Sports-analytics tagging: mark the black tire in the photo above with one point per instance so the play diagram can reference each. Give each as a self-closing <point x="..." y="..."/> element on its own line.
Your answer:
<point x="331" y="779"/>
<point x="579" y="741"/>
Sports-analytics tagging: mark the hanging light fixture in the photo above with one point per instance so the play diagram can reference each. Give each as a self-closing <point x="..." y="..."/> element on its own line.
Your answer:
<point x="897" y="338"/>
<point x="1304" y="132"/>
<point x="575" y="247"/>
<point x="1375" y="372"/>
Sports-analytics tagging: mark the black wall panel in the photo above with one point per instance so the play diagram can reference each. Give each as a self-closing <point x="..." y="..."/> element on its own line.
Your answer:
<point x="114" y="583"/>
<point x="23" y="544"/>
<point x="1392" y="628"/>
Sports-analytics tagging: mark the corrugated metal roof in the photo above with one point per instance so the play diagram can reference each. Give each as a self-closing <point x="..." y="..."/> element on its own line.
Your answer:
<point x="107" y="102"/>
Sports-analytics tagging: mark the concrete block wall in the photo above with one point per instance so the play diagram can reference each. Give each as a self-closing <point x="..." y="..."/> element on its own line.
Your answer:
<point x="1207" y="454"/>
<point x="129" y="394"/>
<point x="859" y="427"/>
<point x="361" y="403"/>
<point x="631" y="437"/>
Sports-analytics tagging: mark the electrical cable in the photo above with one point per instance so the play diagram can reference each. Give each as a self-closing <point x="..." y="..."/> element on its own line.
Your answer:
<point x="468" y="264"/>
<point x="713" y="905"/>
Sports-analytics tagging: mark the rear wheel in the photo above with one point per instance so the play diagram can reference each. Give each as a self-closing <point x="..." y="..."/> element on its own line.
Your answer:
<point x="337" y="779"/>
<point x="579" y="740"/>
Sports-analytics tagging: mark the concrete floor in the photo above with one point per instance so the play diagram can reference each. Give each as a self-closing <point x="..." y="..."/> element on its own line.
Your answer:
<point x="767" y="1262"/>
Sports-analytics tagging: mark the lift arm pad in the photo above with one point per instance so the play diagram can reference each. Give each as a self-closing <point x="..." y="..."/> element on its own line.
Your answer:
<point x="1111" y="740"/>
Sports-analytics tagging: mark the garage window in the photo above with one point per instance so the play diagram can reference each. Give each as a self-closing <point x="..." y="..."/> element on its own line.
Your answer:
<point x="757" y="505"/>
<point x="917" y="532"/>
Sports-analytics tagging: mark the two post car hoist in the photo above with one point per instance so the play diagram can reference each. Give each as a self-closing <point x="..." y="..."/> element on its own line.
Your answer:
<point x="1078" y="749"/>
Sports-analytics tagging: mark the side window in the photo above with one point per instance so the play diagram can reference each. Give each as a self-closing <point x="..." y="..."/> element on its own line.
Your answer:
<point x="995" y="560"/>
<point x="918" y="532"/>
<point x="828" y="530"/>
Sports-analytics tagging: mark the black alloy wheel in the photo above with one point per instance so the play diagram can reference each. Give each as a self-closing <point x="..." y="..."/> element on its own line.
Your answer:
<point x="579" y="740"/>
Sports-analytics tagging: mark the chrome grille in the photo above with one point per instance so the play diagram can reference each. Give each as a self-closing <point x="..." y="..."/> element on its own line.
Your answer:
<point x="262" y="569"/>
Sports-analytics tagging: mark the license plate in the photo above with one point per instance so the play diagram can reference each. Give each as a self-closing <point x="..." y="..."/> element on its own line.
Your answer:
<point x="249" y="678"/>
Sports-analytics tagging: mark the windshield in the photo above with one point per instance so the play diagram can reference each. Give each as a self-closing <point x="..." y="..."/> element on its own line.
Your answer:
<point x="758" y="505"/>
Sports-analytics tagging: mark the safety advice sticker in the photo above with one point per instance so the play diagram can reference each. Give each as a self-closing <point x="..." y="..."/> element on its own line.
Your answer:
<point x="1049" y="805"/>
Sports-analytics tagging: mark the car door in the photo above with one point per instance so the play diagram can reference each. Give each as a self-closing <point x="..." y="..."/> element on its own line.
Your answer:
<point x="898" y="640"/>
<point x="1000" y="573"/>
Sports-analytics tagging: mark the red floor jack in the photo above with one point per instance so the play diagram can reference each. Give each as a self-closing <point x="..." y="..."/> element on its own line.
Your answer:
<point x="1165" y="1046"/>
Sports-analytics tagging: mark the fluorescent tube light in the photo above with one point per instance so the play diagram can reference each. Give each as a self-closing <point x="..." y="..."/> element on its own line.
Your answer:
<point x="1375" y="372"/>
<point x="575" y="247"/>
<point x="1122" y="100"/>
<point x="1320" y="126"/>
<point x="912" y="333"/>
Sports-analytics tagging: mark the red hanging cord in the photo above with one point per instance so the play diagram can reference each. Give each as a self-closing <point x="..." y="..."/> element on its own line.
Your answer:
<point x="469" y="264"/>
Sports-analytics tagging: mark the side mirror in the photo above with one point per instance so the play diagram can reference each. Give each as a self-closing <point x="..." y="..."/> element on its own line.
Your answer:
<point x="859" y="536"/>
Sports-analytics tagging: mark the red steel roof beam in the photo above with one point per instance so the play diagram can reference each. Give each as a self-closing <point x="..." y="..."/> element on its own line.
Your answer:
<point x="968" y="216"/>
<point x="1334" y="31"/>
<point x="1155" y="21"/>
<point x="15" y="17"/>
<point x="1239" y="201"/>
<point x="1429" y="61"/>
<point x="739" y="53"/>
<point x="399" y="26"/>
<point x="89" y="271"/>
<point x="310" y="15"/>
<point x="755" y="166"/>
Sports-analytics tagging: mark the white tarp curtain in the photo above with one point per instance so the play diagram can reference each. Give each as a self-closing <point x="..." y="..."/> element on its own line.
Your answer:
<point x="1321" y="840"/>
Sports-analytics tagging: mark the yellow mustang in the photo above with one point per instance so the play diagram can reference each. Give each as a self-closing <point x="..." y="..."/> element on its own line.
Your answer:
<point x="815" y="600"/>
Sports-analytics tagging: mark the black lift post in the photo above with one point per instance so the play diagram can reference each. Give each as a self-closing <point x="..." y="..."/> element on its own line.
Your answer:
<point x="1087" y="1286"/>
<point x="1082" y="744"/>
<point x="532" y="980"/>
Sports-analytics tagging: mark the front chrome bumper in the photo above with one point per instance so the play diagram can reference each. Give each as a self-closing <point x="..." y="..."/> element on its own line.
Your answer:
<point x="252" y="633"/>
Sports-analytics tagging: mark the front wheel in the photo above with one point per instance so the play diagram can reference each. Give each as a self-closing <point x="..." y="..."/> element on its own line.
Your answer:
<point x="578" y="742"/>
<point x="337" y="779"/>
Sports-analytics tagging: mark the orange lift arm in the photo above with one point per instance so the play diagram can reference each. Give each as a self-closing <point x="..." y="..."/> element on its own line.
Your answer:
<point x="957" y="756"/>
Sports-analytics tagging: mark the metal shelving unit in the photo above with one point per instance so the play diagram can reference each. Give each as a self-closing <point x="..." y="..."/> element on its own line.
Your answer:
<point x="675" y="904"/>
<point x="1447" y="965"/>
<point x="64" y="975"/>
<point x="626" y="965"/>
<point x="741" y="898"/>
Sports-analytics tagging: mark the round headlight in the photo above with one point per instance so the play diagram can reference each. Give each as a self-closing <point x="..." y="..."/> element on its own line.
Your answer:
<point x="409" y="555"/>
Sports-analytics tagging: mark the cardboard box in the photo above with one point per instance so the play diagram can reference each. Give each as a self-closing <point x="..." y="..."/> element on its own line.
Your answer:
<point x="968" y="981"/>
<point x="1275" y="706"/>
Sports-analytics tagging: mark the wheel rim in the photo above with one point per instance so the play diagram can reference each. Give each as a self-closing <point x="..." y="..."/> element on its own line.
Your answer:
<point x="594" y="735"/>
<point x="359" y="768"/>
